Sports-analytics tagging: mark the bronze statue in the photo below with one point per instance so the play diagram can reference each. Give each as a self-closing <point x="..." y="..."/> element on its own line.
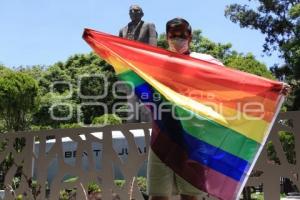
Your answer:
<point x="144" y="32"/>
<point x="137" y="29"/>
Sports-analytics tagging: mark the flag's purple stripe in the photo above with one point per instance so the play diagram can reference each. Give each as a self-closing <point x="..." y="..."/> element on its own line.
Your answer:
<point x="200" y="176"/>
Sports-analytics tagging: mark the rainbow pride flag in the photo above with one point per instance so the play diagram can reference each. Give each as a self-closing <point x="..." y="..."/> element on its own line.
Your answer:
<point x="220" y="117"/>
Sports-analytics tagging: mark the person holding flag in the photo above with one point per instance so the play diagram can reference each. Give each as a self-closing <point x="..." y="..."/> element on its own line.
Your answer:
<point x="162" y="182"/>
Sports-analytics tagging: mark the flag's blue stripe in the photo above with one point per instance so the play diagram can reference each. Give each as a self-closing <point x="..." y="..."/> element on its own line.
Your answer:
<point x="215" y="158"/>
<point x="200" y="151"/>
<point x="144" y="92"/>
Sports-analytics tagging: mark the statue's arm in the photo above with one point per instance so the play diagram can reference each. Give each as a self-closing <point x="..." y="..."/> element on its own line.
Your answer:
<point x="152" y="35"/>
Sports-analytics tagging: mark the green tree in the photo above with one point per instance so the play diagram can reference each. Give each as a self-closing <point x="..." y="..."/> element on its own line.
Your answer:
<point x="1" y="67"/>
<point x="288" y="144"/>
<point x="276" y="19"/>
<point x="202" y="44"/>
<point x="80" y="76"/>
<point x="248" y="63"/>
<point x="279" y="21"/>
<point x="18" y="99"/>
<point x="35" y="71"/>
<point x="50" y="76"/>
<point x="54" y="110"/>
<point x="3" y="70"/>
<point x="162" y="41"/>
<point x="287" y="140"/>
<point x="107" y="119"/>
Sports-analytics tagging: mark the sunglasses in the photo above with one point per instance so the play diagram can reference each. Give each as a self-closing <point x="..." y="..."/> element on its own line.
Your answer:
<point x="179" y="34"/>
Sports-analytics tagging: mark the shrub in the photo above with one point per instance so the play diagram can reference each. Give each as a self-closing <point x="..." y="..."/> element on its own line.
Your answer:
<point x="107" y="119"/>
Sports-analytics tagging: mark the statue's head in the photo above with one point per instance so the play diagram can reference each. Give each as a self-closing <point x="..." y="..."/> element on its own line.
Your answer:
<point x="136" y="13"/>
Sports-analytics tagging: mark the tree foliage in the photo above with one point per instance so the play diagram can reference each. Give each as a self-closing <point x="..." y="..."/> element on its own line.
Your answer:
<point x="202" y="44"/>
<point x="248" y="63"/>
<point x="107" y="119"/>
<point x="19" y="96"/>
<point x="76" y="84"/>
<point x="54" y="110"/>
<point x="67" y="93"/>
<point x="279" y="21"/>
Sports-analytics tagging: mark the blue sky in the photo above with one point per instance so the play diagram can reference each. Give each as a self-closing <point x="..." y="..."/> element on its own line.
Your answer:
<point x="46" y="31"/>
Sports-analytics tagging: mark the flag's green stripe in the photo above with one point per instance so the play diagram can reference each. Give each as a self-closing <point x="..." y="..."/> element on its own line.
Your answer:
<point x="218" y="135"/>
<point x="130" y="76"/>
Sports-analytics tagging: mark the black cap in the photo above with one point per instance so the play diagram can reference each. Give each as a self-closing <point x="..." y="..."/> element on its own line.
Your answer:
<point x="178" y="24"/>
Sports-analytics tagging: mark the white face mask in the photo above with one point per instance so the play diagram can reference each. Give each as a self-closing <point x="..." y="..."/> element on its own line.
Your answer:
<point x="178" y="45"/>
